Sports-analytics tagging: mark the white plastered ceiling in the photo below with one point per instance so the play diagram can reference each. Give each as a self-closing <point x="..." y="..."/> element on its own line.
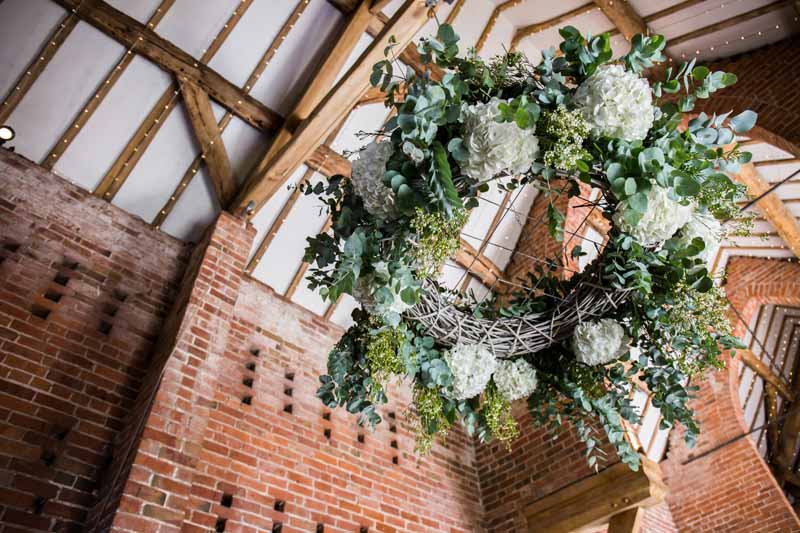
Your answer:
<point x="73" y="76"/>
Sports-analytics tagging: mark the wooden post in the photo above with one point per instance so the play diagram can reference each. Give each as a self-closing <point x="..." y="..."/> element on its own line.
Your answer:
<point x="629" y="521"/>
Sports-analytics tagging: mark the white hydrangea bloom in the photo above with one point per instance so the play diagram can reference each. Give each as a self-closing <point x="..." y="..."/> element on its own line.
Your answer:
<point x="708" y="228"/>
<point x="515" y="379"/>
<point x="599" y="342"/>
<point x="367" y="177"/>
<point x="495" y="146"/>
<point x="471" y="365"/>
<point x="662" y="219"/>
<point x="616" y="103"/>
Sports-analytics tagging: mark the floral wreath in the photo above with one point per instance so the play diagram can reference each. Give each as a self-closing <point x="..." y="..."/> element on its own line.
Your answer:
<point x="646" y="310"/>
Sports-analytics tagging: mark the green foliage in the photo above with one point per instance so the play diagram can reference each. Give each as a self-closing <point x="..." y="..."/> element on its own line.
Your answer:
<point x="438" y="239"/>
<point x="497" y="412"/>
<point x="674" y="312"/>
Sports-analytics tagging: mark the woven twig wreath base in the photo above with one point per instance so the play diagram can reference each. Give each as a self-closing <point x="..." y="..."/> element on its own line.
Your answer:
<point x="509" y="337"/>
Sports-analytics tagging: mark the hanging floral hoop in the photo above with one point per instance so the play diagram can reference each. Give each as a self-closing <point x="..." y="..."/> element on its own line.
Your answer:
<point x="508" y="337"/>
<point x="645" y="311"/>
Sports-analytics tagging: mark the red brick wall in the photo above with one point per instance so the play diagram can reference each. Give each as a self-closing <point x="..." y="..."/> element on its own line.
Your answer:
<point x="235" y="421"/>
<point x="83" y="290"/>
<point x="731" y="489"/>
<point x="767" y="84"/>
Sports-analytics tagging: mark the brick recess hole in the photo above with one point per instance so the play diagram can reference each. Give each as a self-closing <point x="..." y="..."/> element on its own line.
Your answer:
<point x="361" y="438"/>
<point x="288" y="408"/>
<point x="11" y="246"/>
<point x="221" y="523"/>
<point x="38" y="504"/>
<point x="105" y="327"/>
<point x="288" y="391"/>
<point x="248" y="382"/>
<point x="110" y="309"/>
<point x="53" y="296"/>
<point x="72" y="265"/>
<point x="247" y="400"/>
<point x="364" y="529"/>
<point x="255" y="352"/>
<point x="119" y="295"/>
<point x="395" y="460"/>
<point x="327" y="433"/>
<point x="40" y="312"/>
<point x="280" y="506"/>
<point x="277" y="527"/>
<point x="320" y="528"/>
<point x="394" y="444"/>
<point x="392" y="415"/>
<point x="393" y="429"/>
<point x="48" y="457"/>
<point x="61" y="279"/>
<point x="326" y="416"/>
<point x="251" y="367"/>
<point x="226" y="500"/>
<point x="290" y="376"/>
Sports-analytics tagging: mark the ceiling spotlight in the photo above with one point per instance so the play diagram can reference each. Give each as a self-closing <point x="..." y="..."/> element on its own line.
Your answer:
<point x="6" y="134"/>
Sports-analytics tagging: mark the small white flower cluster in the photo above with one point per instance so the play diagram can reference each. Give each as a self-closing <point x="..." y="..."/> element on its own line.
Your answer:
<point x="616" y="103"/>
<point x="708" y="228"/>
<point x="599" y="342"/>
<point x="495" y="146"/>
<point x="662" y="219"/>
<point x="515" y="379"/>
<point x="472" y="366"/>
<point x="367" y="179"/>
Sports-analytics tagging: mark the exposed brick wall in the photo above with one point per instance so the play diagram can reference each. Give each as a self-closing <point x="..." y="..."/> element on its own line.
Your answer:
<point x="731" y="488"/>
<point x="83" y="291"/>
<point x="237" y="438"/>
<point x="767" y="84"/>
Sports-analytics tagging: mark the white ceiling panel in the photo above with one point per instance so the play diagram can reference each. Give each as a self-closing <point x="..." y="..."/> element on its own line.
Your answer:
<point x="341" y="315"/>
<point x="25" y="25"/>
<point x="161" y="167"/>
<point x="141" y="10"/>
<point x="195" y="36"/>
<point x="113" y="124"/>
<point x="298" y="56"/>
<point x="62" y="89"/>
<point x="195" y="209"/>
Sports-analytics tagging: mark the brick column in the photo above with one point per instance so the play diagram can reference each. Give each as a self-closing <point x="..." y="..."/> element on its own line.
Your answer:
<point x="731" y="488"/>
<point x="149" y="482"/>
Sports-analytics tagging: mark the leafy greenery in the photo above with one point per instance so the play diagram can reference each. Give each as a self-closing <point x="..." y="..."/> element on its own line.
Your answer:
<point x="674" y="311"/>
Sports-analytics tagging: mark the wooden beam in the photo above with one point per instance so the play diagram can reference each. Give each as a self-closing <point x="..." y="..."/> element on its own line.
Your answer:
<point x="597" y="498"/>
<point x="629" y="521"/>
<point x="729" y="22"/>
<point x="137" y="145"/>
<point x="259" y="69"/>
<point x="479" y="266"/>
<point x="771" y="206"/>
<point x="209" y="137"/>
<point x="496" y="12"/>
<point x="624" y="17"/>
<point x="409" y="55"/>
<point x="784" y="454"/>
<point x="672" y="10"/>
<point x="103" y="89"/>
<point x="764" y="372"/>
<point x="328" y="162"/>
<point x="37" y="66"/>
<point x="321" y="83"/>
<point x="345" y="6"/>
<point x="773" y="162"/>
<point x="410" y="17"/>
<point x="128" y="31"/>
<point x="537" y="27"/>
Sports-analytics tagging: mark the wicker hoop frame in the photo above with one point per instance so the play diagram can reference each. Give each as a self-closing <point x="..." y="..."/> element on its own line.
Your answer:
<point x="509" y="337"/>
